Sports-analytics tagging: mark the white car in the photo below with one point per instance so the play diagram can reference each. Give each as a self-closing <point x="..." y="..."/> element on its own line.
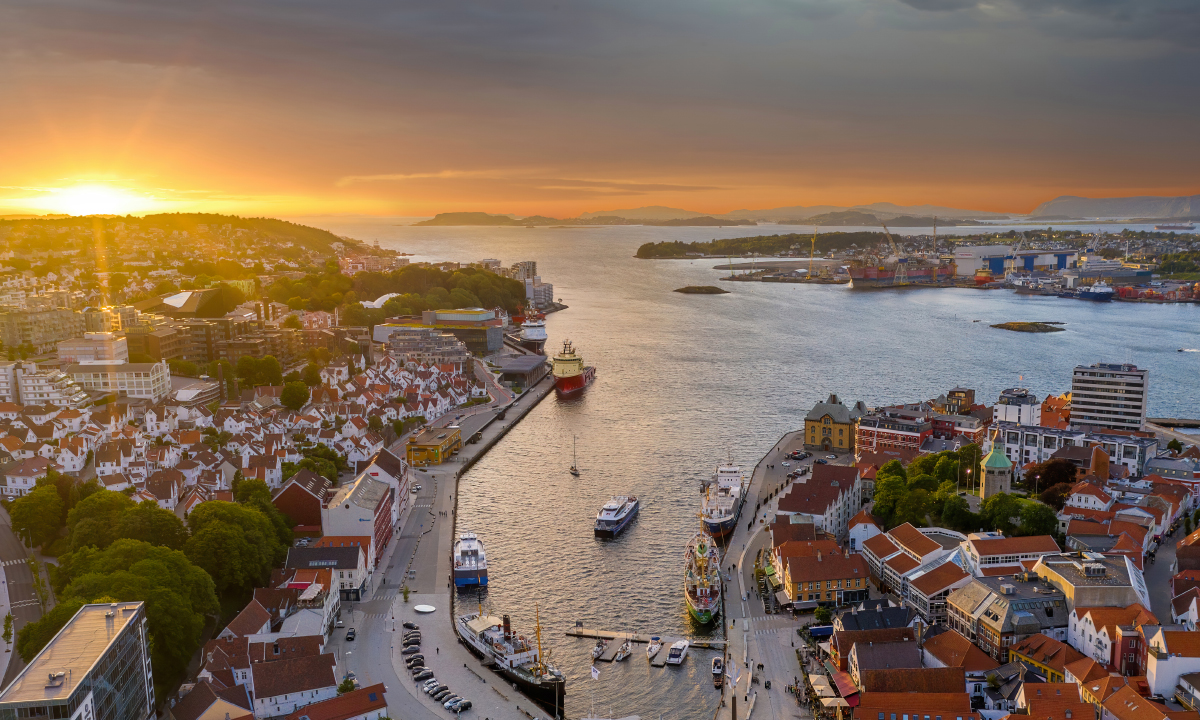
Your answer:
<point x="831" y="457"/>
<point x="786" y="464"/>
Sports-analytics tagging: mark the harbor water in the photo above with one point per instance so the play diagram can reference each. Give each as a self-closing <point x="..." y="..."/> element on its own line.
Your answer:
<point x="687" y="381"/>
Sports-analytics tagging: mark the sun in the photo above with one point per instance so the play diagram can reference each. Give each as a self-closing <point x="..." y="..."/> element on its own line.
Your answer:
<point x="97" y="200"/>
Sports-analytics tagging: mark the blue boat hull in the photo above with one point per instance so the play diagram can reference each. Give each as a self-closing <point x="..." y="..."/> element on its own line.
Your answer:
<point x="471" y="580"/>
<point x="721" y="529"/>
<point x="611" y="531"/>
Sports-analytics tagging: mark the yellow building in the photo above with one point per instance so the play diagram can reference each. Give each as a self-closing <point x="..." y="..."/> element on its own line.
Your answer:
<point x="830" y="425"/>
<point x="433" y="446"/>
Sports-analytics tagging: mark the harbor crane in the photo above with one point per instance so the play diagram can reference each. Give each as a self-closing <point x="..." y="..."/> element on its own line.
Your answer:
<point x="1010" y="262"/>
<point x="901" y="275"/>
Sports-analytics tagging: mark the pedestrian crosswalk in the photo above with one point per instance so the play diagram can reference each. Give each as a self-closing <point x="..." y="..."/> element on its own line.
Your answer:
<point x="767" y="631"/>
<point x="20" y="561"/>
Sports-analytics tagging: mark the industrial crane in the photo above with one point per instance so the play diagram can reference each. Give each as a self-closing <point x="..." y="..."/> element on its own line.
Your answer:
<point x="901" y="275"/>
<point x="1010" y="262"/>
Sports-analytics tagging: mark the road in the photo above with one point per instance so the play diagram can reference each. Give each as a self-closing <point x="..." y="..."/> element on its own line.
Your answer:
<point x="18" y="582"/>
<point x="1158" y="578"/>
<point x="420" y="558"/>
<point x="755" y="636"/>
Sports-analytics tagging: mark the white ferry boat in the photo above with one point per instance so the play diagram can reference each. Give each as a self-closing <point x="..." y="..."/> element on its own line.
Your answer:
<point x="618" y="512"/>
<point x="470" y="561"/>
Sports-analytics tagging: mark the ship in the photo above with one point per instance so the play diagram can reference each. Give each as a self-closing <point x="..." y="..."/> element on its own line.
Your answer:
<point x="677" y="653"/>
<point x="533" y="336"/>
<point x="516" y="658"/>
<point x="702" y="578"/>
<point x="1100" y="291"/>
<point x="1176" y="226"/>
<point x="470" y="561"/>
<point x="618" y="512"/>
<point x="867" y="277"/>
<point x="570" y="374"/>
<point x="722" y="502"/>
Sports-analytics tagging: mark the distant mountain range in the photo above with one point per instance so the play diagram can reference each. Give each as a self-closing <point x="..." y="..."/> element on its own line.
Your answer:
<point x="1146" y="206"/>
<point x="484" y="219"/>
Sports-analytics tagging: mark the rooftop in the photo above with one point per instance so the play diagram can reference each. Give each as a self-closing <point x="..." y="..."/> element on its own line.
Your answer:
<point x="76" y="648"/>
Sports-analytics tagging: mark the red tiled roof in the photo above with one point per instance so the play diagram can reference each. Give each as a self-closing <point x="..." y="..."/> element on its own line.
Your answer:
<point x="827" y="567"/>
<point x="882" y="546"/>
<point x="303" y="674"/>
<point x="914" y="680"/>
<point x="1181" y="602"/>
<point x="348" y="705"/>
<point x="1182" y="643"/>
<point x="955" y="650"/>
<point x="1047" y="651"/>
<point x="865" y="518"/>
<point x="250" y="620"/>
<point x="913" y="540"/>
<point x="1015" y="545"/>
<point x="1085" y="670"/>
<point x="938" y="579"/>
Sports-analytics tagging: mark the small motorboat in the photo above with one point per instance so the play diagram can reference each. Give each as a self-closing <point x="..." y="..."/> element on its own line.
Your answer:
<point x="678" y="653"/>
<point x="653" y="648"/>
<point x="623" y="652"/>
<point x="599" y="649"/>
<point x="718" y="671"/>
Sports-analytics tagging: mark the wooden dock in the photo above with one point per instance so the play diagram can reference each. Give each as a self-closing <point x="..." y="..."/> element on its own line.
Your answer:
<point x="660" y="657"/>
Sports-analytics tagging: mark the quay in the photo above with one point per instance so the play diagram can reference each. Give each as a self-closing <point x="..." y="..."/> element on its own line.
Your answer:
<point x="707" y="644"/>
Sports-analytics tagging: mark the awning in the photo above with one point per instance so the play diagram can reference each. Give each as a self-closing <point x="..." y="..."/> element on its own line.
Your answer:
<point x="825" y="648"/>
<point x="782" y="598"/>
<point x="834" y="702"/>
<point x="845" y="684"/>
<point x="775" y="581"/>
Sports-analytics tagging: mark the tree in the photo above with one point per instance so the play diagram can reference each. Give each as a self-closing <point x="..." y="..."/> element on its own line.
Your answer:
<point x="822" y="615"/>
<point x="946" y="469"/>
<point x="150" y="523"/>
<point x="294" y="396"/>
<point x="928" y="483"/>
<point x="1056" y="495"/>
<point x="375" y="423"/>
<point x="1049" y="473"/>
<point x="35" y="635"/>
<point x="292" y="322"/>
<point x="8" y="629"/>
<point x="185" y="368"/>
<point x="893" y="467"/>
<point x="94" y="521"/>
<point x="999" y="510"/>
<point x="37" y="516"/>
<point x="913" y="508"/>
<point x="236" y="544"/>
<point x="177" y="593"/>
<point x="311" y="375"/>
<point x="247" y="370"/>
<point x="255" y="493"/>
<point x="888" y="493"/>
<point x="345" y="686"/>
<point x="270" y="372"/>
<point x="957" y="515"/>
<point x="1037" y="519"/>
<point x="1175" y="446"/>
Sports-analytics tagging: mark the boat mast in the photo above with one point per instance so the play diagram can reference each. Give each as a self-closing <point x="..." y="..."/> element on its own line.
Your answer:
<point x="537" y="625"/>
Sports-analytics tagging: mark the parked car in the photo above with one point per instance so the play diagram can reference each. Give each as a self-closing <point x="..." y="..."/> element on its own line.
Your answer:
<point x="411" y="649"/>
<point x="437" y="689"/>
<point x="350" y="634"/>
<point x="820" y="462"/>
<point x="462" y="706"/>
<point x="440" y="696"/>
<point x="411" y="625"/>
<point x="422" y="675"/>
<point x="415" y="642"/>
<point x="451" y="701"/>
<point x="785" y="463"/>
<point x="831" y="457"/>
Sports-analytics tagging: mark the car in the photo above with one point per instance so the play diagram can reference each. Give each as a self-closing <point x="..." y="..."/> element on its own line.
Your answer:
<point x="339" y="624"/>
<point x="436" y="689"/>
<point x="410" y="650"/>
<point x="418" y="487"/>
<point x="464" y="705"/>
<point x="418" y="668"/>
<point x="831" y="457"/>
<point x="785" y="463"/>
<point x="422" y="675"/>
<point x="350" y="634"/>
<point x="820" y="462"/>
<point x="415" y="658"/>
<point x="412" y="633"/>
<point x="415" y="642"/>
<point x="440" y="696"/>
<point x="451" y="701"/>
<point x="430" y="684"/>
<point x="411" y="625"/>
<point x="414" y="661"/>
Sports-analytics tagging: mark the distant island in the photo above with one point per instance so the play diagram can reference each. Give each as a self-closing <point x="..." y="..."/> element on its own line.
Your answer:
<point x="483" y="219"/>
<point x="759" y="245"/>
<point x="701" y="290"/>
<point x="1030" y="327"/>
<point x="857" y="218"/>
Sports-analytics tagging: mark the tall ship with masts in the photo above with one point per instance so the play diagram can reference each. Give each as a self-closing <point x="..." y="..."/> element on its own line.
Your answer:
<point x="722" y="501"/>
<point x="702" y="578"/>
<point x="517" y="658"/>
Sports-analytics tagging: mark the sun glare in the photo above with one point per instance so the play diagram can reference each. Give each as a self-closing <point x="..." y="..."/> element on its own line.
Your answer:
<point x="97" y="200"/>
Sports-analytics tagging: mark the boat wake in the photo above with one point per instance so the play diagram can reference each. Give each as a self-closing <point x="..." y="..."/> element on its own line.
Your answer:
<point x="1189" y="349"/>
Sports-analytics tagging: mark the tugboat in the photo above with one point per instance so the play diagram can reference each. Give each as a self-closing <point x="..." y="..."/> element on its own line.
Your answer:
<point x="702" y="578"/>
<point x="570" y="374"/>
<point x="722" y="503"/>
<point x="516" y="658"/>
<point x="618" y="512"/>
<point x="470" y="561"/>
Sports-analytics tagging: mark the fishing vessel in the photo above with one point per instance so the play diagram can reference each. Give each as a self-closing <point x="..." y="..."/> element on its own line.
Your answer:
<point x="515" y="657"/>
<point x="723" y="498"/>
<point x="570" y="374"/>
<point x="1100" y="291"/>
<point x="616" y="514"/>
<point x="653" y="648"/>
<point x="470" y="561"/>
<point x="702" y="578"/>
<point x="677" y="653"/>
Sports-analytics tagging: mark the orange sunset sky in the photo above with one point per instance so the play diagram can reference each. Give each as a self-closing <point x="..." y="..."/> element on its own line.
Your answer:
<point x="557" y="108"/>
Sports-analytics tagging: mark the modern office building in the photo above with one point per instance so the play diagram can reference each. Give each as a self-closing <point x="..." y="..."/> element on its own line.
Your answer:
<point x="151" y="381"/>
<point x="1108" y="395"/>
<point x="1017" y="405"/>
<point x="96" y="668"/>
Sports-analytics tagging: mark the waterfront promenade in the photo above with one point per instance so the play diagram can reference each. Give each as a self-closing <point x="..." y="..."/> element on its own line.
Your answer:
<point x="419" y="557"/>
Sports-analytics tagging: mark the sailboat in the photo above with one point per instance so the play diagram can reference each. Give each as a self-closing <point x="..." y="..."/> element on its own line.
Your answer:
<point x="574" y="459"/>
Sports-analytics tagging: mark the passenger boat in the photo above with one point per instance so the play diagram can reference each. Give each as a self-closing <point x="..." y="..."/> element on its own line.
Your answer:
<point x="718" y="671"/>
<point x="677" y="653"/>
<point x="518" y="659"/>
<point x="470" y="561"/>
<point x="617" y="513"/>
<point x="702" y="578"/>
<point x="723" y="499"/>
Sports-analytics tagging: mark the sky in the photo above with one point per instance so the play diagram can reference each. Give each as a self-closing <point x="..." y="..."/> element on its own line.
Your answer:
<point x="556" y="107"/>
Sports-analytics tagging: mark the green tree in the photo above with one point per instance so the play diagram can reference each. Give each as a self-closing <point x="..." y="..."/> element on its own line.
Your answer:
<point x="999" y="510"/>
<point x="292" y="322"/>
<point x="311" y="375"/>
<point x="37" y="516"/>
<point x="247" y="370"/>
<point x="822" y="615"/>
<point x="946" y="469"/>
<point x="375" y="423"/>
<point x="8" y="629"/>
<point x="255" y="493"/>
<point x="957" y="515"/>
<point x="345" y="686"/>
<point x="294" y="395"/>
<point x="889" y="492"/>
<point x="1175" y="446"/>
<point x="270" y="372"/>
<point x="928" y="483"/>
<point x="1037" y="519"/>
<point x="1049" y="473"/>
<point x="94" y="521"/>
<point x="185" y="368"/>
<point x="150" y="523"/>
<point x="913" y="508"/>
<point x="235" y="544"/>
<point x="893" y="467"/>
<point x="35" y="635"/>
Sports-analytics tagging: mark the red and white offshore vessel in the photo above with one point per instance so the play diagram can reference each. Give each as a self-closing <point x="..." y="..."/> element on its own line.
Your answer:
<point x="570" y="375"/>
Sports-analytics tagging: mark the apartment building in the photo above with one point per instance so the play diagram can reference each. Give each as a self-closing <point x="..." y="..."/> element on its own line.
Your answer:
<point x="996" y="613"/>
<point x="149" y="381"/>
<point x="94" y="347"/>
<point x="1107" y="395"/>
<point x="1017" y="405"/>
<point x="891" y="429"/>
<point x="43" y="329"/>
<point x="1024" y="444"/>
<point x="830" y="495"/>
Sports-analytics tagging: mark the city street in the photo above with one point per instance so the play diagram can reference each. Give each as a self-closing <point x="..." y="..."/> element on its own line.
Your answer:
<point x="18" y="584"/>
<point x="1158" y="578"/>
